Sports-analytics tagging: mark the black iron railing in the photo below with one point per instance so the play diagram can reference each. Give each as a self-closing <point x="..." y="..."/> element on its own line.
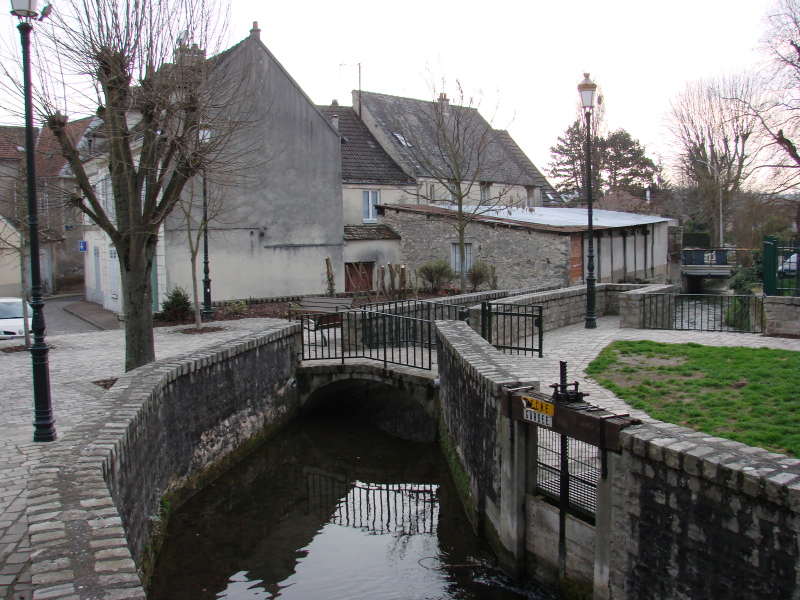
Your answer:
<point x="419" y="309"/>
<point x="382" y="336"/>
<point x="703" y="312"/>
<point x="513" y="328"/>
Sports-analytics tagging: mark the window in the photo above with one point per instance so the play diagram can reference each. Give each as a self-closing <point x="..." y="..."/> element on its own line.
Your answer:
<point x="370" y="199"/>
<point x="432" y="193"/>
<point x="485" y="192"/>
<point x="106" y="198"/>
<point x="403" y="141"/>
<point x="456" y="258"/>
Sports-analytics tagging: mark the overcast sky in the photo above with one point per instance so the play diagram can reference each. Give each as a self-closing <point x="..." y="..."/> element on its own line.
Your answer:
<point x="526" y="57"/>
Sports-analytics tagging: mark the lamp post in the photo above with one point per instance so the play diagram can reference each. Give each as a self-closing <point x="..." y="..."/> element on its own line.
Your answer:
<point x="587" y="90"/>
<point x="718" y="177"/>
<point x="205" y="137"/>
<point x="43" y="425"/>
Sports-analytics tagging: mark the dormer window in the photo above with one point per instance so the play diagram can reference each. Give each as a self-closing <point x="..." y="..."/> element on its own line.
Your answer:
<point x="402" y="140"/>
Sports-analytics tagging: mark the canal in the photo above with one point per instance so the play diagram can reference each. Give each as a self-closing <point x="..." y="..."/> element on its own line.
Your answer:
<point x="330" y="508"/>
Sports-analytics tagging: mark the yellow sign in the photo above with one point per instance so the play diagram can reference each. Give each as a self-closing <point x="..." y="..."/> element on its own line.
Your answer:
<point x="540" y="406"/>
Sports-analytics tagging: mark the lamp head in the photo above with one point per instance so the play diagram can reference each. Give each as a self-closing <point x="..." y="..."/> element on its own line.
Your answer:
<point x="24" y="9"/>
<point x="587" y="89"/>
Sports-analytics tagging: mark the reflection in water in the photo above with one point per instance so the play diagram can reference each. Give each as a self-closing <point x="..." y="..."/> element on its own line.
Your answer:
<point x="331" y="508"/>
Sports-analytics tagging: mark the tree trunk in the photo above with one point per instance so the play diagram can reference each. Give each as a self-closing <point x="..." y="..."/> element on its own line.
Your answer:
<point x="136" y="266"/>
<point x="462" y="252"/>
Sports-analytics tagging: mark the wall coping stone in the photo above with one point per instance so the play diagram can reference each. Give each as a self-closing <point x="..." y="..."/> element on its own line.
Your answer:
<point x="753" y="471"/>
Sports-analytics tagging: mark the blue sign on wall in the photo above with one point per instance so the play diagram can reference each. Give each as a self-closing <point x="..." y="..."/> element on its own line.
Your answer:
<point x="82" y="246"/>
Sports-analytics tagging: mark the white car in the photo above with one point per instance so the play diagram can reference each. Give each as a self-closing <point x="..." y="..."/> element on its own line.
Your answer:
<point x="11" y="321"/>
<point x="789" y="267"/>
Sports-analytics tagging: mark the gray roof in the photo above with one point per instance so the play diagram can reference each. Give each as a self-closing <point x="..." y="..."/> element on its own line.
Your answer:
<point x="369" y="232"/>
<point x="409" y="125"/>
<point x="363" y="158"/>
<point x="558" y="220"/>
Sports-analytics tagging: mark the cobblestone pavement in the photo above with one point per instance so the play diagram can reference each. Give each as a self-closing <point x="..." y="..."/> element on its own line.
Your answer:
<point x="78" y="359"/>
<point x="75" y="361"/>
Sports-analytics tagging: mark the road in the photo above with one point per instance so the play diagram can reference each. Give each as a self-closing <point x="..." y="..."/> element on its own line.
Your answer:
<point x="59" y="321"/>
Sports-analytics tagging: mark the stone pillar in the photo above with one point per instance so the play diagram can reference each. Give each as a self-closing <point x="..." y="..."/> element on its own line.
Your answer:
<point x="602" y="530"/>
<point x="513" y="468"/>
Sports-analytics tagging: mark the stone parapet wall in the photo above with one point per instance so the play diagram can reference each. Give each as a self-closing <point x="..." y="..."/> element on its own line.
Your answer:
<point x="98" y="498"/>
<point x="782" y="315"/>
<point x="695" y="516"/>
<point x="632" y="305"/>
<point x="475" y="435"/>
<point x="565" y="306"/>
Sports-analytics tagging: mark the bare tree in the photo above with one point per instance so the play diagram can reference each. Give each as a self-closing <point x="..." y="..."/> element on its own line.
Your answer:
<point x="143" y="64"/>
<point x="460" y="160"/>
<point x="715" y="141"/>
<point x="206" y="189"/>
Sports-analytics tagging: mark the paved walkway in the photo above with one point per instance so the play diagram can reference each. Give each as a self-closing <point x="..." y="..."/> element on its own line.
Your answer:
<point x="78" y="359"/>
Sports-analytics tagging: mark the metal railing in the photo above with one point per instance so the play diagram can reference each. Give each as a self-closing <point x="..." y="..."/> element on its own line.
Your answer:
<point x="576" y="464"/>
<point x="703" y="312"/>
<point x="513" y="328"/>
<point x="419" y="309"/>
<point x="780" y="267"/>
<point x="382" y="336"/>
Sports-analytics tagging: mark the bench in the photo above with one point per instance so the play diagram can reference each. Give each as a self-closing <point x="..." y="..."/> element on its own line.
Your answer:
<point x="326" y="311"/>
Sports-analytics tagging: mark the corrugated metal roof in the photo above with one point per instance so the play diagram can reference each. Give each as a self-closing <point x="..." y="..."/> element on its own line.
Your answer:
<point x="573" y="217"/>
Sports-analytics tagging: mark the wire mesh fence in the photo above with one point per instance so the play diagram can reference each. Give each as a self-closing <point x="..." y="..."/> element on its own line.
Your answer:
<point x="564" y="461"/>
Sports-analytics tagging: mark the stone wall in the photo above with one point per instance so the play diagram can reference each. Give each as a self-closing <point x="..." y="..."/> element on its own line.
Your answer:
<point x="522" y="257"/>
<point x="782" y="315"/>
<point x="486" y="463"/>
<point x="564" y="306"/>
<point x="694" y="516"/>
<point x="633" y="305"/>
<point x="161" y="432"/>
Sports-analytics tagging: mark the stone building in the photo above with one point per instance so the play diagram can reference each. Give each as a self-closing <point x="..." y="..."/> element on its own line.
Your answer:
<point x="545" y="245"/>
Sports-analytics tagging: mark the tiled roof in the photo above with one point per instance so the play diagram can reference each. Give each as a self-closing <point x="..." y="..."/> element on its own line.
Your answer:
<point x="369" y="232"/>
<point x="363" y="158"/>
<point x="561" y="220"/>
<point x="50" y="162"/>
<point x="501" y="159"/>
<point x="12" y="142"/>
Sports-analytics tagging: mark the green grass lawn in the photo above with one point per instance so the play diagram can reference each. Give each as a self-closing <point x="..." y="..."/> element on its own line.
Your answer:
<point x="750" y="395"/>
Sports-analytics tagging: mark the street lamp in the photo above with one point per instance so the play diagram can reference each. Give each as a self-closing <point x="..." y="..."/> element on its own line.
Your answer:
<point x="43" y="425"/>
<point x="205" y="137"/>
<point x="718" y="177"/>
<point x="587" y="90"/>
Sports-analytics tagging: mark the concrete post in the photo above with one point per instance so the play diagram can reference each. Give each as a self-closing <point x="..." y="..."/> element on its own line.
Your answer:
<point x="513" y="468"/>
<point x="602" y="545"/>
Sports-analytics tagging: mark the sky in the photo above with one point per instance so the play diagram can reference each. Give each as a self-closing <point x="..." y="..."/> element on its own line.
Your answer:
<point x="522" y="59"/>
<point x="525" y="58"/>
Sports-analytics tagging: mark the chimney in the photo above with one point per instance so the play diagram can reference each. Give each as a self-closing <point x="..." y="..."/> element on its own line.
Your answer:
<point x="443" y="101"/>
<point x="335" y="122"/>
<point x="255" y="31"/>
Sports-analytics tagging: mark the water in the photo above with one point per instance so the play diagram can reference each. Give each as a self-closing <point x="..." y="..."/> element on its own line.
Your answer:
<point x="331" y="508"/>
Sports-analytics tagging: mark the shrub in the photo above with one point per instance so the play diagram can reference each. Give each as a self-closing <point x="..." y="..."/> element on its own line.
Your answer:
<point x="177" y="306"/>
<point x="235" y="308"/>
<point x="437" y="274"/>
<point x="479" y="274"/>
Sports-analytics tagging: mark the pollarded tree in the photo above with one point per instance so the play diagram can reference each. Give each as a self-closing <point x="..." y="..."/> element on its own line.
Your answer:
<point x="144" y="62"/>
